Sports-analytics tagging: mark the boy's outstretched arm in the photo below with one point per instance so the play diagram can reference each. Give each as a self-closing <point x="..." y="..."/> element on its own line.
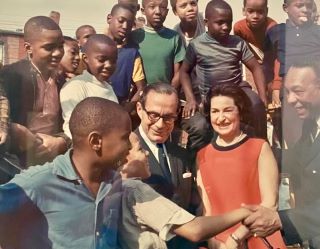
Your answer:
<point x="204" y="227"/>
<point x="258" y="77"/>
<point x="185" y="80"/>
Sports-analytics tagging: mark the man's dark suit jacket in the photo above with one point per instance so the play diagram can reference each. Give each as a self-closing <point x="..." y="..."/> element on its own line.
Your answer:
<point x="179" y="190"/>
<point x="303" y="164"/>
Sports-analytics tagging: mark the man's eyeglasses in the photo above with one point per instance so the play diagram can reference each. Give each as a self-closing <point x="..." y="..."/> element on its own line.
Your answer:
<point x="154" y="117"/>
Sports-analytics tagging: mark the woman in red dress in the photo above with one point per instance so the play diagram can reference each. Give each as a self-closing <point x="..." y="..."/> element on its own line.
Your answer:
<point x="235" y="168"/>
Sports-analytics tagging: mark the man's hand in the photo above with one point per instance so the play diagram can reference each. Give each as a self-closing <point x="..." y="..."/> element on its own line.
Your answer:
<point x="263" y="221"/>
<point x="189" y="109"/>
<point x="51" y="146"/>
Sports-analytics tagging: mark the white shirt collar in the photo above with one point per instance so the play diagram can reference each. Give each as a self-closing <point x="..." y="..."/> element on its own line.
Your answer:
<point x="153" y="146"/>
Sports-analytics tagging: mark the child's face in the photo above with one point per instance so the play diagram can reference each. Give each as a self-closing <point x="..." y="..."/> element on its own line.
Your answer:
<point x="46" y="50"/>
<point x="120" y="24"/>
<point x="156" y="12"/>
<point x="219" y="24"/>
<point x="84" y="35"/>
<point x="137" y="161"/>
<point x="101" y="61"/>
<point x="256" y="13"/>
<point x="186" y="10"/>
<point x="299" y="11"/>
<point x="70" y="61"/>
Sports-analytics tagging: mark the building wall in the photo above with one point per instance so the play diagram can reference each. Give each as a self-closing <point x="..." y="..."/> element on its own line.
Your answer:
<point x="13" y="47"/>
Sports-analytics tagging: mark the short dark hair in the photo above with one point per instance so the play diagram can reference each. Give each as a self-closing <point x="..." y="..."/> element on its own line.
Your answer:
<point x="310" y="61"/>
<point x="86" y="26"/>
<point x="118" y="6"/>
<point x="231" y="90"/>
<point x="98" y="39"/>
<point x="216" y="4"/>
<point x="245" y="3"/>
<point x="161" y="88"/>
<point x="95" y="114"/>
<point x="68" y="38"/>
<point x="35" y="25"/>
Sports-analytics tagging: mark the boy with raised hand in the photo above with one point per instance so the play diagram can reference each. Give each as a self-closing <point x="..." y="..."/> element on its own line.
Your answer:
<point x="216" y="55"/>
<point x="100" y="58"/>
<point x="191" y="22"/>
<point x="253" y="29"/>
<point x="161" y="49"/>
<point x="30" y="86"/>
<point x="129" y="70"/>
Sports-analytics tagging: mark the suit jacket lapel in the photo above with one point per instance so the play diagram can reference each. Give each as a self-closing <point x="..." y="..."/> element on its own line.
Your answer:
<point x="154" y="165"/>
<point x="310" y="152"/>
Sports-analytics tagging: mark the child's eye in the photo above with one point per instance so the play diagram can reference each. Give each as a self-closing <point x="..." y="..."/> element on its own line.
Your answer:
<point x="183" y="6"/>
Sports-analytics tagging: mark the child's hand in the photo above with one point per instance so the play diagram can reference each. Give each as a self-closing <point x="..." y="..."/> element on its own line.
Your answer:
<point x="22" y="138"/>
<point x="189" y="109"/>
<point x="276" y="102"/>
<point x="3" y="137"/>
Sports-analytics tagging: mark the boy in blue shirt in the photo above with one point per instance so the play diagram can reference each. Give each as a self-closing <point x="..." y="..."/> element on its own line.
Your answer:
<point x="129" y="70"/>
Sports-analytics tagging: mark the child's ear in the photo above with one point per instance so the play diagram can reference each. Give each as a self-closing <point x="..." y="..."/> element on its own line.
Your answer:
<point x="85" y="58"/>
<point x="28" y="48"/>
<point x="285" y="7"/>
<point x="205" y="21"/>
<point x="109" y="16"/>
<point x="142" y="10"/>
<point x="243" y="11"/>
<point x="95" y="141"/>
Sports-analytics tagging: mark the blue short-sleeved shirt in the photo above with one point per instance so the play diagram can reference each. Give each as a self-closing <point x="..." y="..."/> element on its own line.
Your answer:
<point x="49" y="207"/>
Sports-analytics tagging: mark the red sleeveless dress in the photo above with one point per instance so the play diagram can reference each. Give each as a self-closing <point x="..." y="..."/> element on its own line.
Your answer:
<point x="230" y="177"/>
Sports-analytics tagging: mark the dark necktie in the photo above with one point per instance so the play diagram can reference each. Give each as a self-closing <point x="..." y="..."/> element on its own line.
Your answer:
<point x="164" y="162"/>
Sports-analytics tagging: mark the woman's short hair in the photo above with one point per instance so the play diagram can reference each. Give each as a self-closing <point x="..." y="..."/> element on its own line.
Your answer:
<point x="239" y="97"/>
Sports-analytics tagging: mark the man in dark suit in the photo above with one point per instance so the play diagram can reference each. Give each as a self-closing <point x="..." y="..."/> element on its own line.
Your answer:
<point x="301" y="223"/>
<point x="169" y="163"/>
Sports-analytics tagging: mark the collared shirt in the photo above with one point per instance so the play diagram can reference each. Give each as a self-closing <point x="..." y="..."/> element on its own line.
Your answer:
<point x="290" y="43"/>
<point x="66" y="214"/>
<point x="46" y="107"/>
<point x="153" y="146"/>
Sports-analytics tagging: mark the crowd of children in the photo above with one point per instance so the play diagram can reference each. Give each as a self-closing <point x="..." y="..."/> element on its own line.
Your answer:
<point x="40" y="117"/>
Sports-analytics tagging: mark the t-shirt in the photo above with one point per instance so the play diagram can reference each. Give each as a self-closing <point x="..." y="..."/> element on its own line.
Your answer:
<point x="255" y="37"/>
<point x="199" y="30"/>
<point x="159" y="51"/>
<point x="217" y="62"/>
<point x="79" y="88"/>
<point x="147" y="217"/>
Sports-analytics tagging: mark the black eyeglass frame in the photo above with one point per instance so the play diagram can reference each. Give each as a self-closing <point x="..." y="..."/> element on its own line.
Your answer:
<point x="155" y="117"/>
